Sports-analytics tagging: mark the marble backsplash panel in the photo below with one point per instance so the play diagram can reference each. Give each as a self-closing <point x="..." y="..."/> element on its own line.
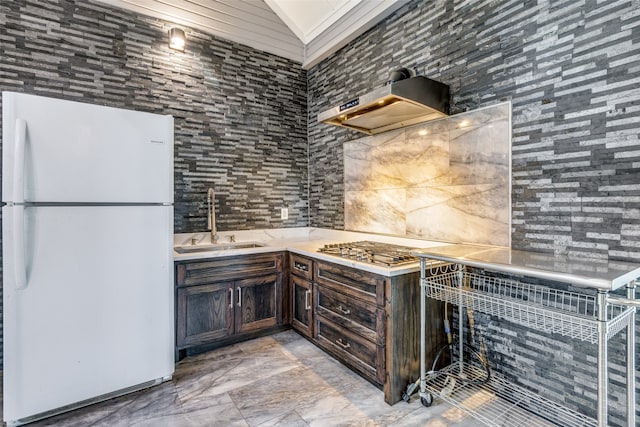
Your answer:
<point x="447" y="180"/>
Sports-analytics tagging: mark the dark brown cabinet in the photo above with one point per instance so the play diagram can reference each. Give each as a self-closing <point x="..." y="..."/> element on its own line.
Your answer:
<point x="349" y="318"/>
<point x="371" y="323"/>
<point x="301" y="294"/>
<point x="222" y="300"/>
<point x="256" y="303"/>
<point x="204" y="314"/>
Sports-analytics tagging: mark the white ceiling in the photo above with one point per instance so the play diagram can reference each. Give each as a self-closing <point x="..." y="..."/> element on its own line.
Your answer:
<point x="308" y="18"/>
<point x="305" y="31"/>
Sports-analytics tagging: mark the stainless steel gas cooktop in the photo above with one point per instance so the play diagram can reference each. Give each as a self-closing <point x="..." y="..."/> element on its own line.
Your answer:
<point x="372" y="252"/>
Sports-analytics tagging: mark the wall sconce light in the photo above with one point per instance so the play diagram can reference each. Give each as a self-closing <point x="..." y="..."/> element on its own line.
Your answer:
<point x="176" y="39"/>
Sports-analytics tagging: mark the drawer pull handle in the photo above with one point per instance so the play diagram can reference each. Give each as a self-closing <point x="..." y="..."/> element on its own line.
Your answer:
<point x="307" y="300"/>
<point x="239" y="297"/>
<point x="300" y="267"/>
<point x="230" y="297"/>
<point x="343" y="344"/>
<point x="343" y="310"/>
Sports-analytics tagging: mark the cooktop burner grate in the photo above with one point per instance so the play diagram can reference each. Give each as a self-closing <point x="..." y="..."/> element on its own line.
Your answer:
<point x="372" y="252"/>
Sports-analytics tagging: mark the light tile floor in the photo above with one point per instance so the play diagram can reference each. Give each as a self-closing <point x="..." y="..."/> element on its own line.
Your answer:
<point x="279" y="380"/>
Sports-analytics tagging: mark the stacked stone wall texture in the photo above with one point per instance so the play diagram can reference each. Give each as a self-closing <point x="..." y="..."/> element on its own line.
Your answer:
<point x="240" y="124"/>
<point x="572" y="71"/>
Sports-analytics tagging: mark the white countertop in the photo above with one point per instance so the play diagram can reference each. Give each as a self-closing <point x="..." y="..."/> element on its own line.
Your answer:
<point x="591" y="273"/>
<point x="303" y="241"/>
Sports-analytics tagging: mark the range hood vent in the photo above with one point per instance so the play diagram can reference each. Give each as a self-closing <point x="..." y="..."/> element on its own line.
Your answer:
<point x="399" y="103"/>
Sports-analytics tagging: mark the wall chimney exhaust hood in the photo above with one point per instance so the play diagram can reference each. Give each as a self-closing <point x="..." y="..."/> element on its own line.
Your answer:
<point x="403" y="101"/>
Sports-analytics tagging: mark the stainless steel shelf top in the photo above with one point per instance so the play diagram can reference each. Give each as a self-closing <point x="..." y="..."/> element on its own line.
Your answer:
<point x="591" y="273"/>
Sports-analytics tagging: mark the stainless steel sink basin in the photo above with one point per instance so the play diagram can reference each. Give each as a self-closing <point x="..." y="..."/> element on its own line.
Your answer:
<point x="188" y="249"/>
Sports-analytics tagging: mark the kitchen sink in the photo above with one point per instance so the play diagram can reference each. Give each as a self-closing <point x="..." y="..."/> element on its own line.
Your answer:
<point x="189" y="249"/>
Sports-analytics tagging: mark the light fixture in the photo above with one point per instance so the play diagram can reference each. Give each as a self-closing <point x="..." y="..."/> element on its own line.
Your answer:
<point x="176" y="39"/>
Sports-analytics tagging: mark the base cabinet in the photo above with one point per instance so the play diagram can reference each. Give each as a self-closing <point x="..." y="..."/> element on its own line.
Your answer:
<point x="203" y="314"/>
<point x="369" y="322"/>
<point x="256" y="305"/>
<point x="349" y="318"/>
<point x="302" y="305"/>
<point x="223" y="299"/>
<point x="301" y="289"/>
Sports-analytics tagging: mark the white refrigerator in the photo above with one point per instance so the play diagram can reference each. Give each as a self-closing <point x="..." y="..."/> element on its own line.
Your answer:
<point x="87" y="224"/>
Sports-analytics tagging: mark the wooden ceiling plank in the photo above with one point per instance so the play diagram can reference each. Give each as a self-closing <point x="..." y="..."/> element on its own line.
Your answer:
<point x="236" y="30"/>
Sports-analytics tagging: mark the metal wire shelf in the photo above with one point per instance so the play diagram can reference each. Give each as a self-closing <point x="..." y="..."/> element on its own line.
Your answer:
<point x="589" y="316"/>
<point x="499" y="402"/>
<point x="558" y="311"/>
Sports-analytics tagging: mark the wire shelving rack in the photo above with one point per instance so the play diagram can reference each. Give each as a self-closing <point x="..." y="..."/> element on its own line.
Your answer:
<point x="591" y="317"/>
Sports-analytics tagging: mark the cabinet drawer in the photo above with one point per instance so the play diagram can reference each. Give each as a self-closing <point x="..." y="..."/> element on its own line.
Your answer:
<point x="202" y="272"/>
<point x="350" y="281"/>
<point x="351" y="313"/>
<point x="353" y="350"/>
<point x="301" y="266"/>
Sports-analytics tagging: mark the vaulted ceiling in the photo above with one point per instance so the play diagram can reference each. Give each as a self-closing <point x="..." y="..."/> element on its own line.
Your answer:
<point x="305" y="31"/>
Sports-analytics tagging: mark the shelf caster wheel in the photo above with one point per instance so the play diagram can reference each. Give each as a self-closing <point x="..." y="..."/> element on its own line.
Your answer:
<point x="426" y="400"/>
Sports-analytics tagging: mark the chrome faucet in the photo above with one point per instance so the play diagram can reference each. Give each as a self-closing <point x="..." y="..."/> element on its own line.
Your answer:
<point x="211" y="214"/>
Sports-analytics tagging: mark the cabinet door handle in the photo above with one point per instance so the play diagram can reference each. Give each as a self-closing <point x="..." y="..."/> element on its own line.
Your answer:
<point x="239" y="297"/>
<point x="230" y="297"/>
<point x="300" y="266"/>
<point x="343" y="310"/>
<point x="307" y="300"/>
<point x="343" y="344"/>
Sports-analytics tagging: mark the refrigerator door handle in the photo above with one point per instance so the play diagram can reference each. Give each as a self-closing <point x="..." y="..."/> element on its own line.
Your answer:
<point x="18" y="161"/>
<point x="15" y="215"/>
<point x="16" y="227"/>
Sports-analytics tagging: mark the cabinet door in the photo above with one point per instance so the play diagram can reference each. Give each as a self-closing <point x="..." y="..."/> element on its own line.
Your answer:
<point x="256" y="302"/>
<point x="204" y="313"/>
<point x="302" y="320"/>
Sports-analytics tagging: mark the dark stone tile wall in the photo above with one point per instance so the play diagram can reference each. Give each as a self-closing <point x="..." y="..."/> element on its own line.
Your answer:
<point x="572" y="72"/>
<point x="240" y="114"/>
<point x="240" y="123"/>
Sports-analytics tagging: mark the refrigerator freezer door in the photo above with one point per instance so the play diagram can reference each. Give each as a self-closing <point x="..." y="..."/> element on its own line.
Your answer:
<point x="77" y="152"/>
<point x="96" y="315"/>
